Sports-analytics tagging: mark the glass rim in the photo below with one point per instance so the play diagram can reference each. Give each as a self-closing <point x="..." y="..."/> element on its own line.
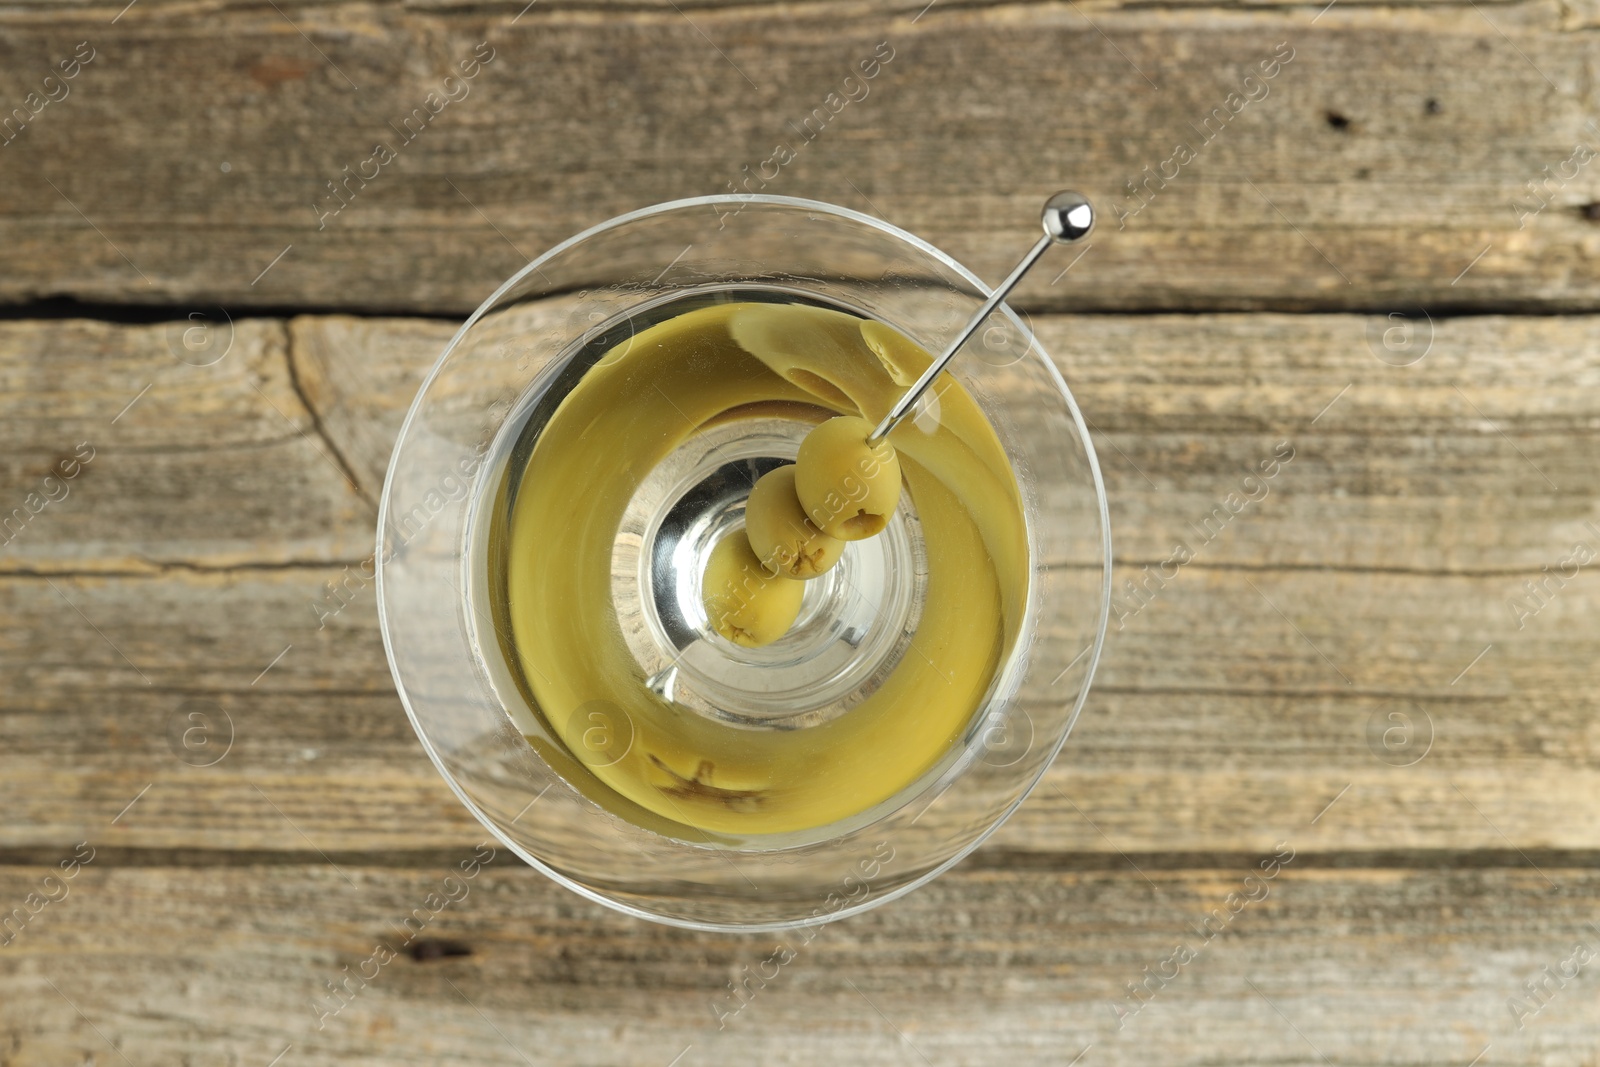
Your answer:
<point x="662" y="208"/>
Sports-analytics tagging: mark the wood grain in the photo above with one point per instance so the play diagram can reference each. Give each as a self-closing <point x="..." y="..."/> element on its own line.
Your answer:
<point x="1368" y="177"/>
<point x="983" y="967"/>
<point x="1259" y="681"/>
<point x="1471" y="460"/>
<point x="1201" y="741"/>
<point x="212" y="465"/>
<point x="1353" y="269"/>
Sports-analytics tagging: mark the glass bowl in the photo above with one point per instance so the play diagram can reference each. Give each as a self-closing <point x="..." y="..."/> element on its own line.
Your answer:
<point x="446" y="630"/>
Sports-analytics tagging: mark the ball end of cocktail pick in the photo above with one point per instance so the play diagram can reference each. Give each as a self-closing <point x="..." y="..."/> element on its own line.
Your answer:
<point x="1068" y="217"/>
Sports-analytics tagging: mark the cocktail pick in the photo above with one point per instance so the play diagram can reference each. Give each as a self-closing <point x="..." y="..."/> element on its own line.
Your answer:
<point x="1068" y="218"/>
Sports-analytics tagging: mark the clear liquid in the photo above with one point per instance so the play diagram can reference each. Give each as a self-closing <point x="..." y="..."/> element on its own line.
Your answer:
<point x="856" y="625"/>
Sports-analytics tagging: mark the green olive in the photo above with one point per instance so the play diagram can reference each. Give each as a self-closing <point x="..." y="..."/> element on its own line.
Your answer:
<point x="745" y="602"/>
<point x="848" y="487"/>
<point x="784" y="540"/>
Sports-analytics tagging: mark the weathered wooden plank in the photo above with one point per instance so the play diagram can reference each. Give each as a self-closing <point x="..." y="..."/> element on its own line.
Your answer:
<point x="360" y="375"/>
<point x="1470" y="455"/>
<point x="161" y="964"/>
<point x="1398" y="542"/>
<point x="45" y="11"/>
<point x="1228" y="701"/>
<point x="1415" y="171"/>
<point x="123" y="448"/>
<point x="1472" y="459"/>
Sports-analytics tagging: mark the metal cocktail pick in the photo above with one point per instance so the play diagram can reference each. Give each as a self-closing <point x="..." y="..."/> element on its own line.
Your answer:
<point x="1068" y="217"/>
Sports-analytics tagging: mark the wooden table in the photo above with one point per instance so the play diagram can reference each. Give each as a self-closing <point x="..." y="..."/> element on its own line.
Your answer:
<point x="1347" y="256"/>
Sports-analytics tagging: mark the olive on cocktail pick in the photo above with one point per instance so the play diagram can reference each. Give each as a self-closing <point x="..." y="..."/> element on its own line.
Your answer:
<point x="845" y="481"/>
<point x="847" y="474"/>
<point x="783" y="538"/>
<point x="846" y="485"/>
<point x="745" y="602"/>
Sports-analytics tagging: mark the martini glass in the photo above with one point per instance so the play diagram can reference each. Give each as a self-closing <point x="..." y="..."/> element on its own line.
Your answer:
<point x="451" y="492"/>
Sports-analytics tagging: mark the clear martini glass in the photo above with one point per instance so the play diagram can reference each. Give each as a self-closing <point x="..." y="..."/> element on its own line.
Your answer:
<point x="452" y="484"/>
